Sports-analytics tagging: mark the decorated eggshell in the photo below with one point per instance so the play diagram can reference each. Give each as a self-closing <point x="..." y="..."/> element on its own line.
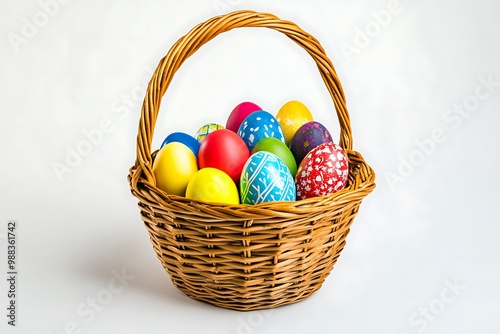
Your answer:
<point x="206" y="129"/>
<point x="266" y="178"/>
<point x="259" y="125"/>
<point x="307" y="137"/>
<point x="291" y="116"/>
<point x="323" y="171"/>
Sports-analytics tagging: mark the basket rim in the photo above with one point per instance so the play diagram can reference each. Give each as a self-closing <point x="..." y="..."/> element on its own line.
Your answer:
<point x="284" y="208"/>
<point x="141" y="177"/>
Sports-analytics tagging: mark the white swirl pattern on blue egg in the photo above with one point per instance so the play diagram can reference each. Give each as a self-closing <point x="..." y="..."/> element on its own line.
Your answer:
<point x="259" y="125"/>
<point x="266" y="178"/>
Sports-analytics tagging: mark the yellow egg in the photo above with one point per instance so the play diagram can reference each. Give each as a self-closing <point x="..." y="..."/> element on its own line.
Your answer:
<point x="213" y="185"/>
<point x="174" y="165"/>
<point x="291" y="117"/>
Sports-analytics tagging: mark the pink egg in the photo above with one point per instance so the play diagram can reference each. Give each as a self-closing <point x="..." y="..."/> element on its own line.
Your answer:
<point x="324" y="171"/>
<point x="239" y="113"/>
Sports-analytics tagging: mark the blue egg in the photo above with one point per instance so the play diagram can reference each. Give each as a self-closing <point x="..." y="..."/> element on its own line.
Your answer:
<point x="266" y="178"/>
<point x="259" y="125"/>
<point x="183" y="138"/>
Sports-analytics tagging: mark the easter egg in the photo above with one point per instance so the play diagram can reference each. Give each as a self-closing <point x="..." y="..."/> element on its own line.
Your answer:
<point x="239" y="113"/>
<point x="225" y="150"/>
<point x="266" y="178"/>
<point x="291" y="116"/>
<point x="173" y="167"/>
<point x="278" y="148"/>
<point x="307" y="137"/>
<point x="206" y="129"/>
<point x="213" y="185"/>
<point x="185" y="139"/>
<point x="259" y="125"/>
<point x="323" y="171"/>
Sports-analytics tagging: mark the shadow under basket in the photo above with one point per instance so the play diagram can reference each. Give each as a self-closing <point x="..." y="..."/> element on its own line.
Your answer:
<point x="246" y="257"/>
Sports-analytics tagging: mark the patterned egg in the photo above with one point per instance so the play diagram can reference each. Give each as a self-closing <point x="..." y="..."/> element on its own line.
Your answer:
<point x="206" y="129"/>
<point x="291" y="116"/>
<point x="323" y="171"/>
<point x="266" y="178"/>
<point x="259" y="125"/>
<point x="307" y="137"/>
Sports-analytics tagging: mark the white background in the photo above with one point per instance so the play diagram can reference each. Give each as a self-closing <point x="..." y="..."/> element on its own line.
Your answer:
<point x="434" y="226"/>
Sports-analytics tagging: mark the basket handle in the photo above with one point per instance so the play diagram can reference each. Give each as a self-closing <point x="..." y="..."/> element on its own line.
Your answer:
<point x="203" y="33"/>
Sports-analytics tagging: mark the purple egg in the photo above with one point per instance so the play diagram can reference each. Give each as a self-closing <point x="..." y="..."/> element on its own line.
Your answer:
<point x="307" y="137"/>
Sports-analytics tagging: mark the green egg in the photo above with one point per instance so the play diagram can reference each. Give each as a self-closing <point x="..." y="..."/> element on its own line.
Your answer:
<point x="278" y="148"/>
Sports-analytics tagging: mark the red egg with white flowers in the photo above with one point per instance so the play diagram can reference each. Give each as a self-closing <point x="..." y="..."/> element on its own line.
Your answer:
<point x="323" y="171"/>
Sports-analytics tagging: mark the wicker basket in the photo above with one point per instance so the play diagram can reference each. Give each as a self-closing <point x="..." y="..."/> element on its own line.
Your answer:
<point x="246" y="257"/>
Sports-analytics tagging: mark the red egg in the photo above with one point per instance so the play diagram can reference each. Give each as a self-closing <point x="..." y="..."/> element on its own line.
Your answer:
<point x="323" y="171"/>
<point x="239" y="113"/>
<point x="224" y="150"/>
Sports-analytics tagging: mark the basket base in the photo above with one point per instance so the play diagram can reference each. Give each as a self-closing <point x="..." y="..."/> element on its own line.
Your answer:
<point x="249" y="305"/>
<point x="245" y="294"/>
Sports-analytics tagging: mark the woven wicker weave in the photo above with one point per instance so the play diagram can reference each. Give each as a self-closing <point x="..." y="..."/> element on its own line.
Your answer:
<point x="246" y="257"/>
